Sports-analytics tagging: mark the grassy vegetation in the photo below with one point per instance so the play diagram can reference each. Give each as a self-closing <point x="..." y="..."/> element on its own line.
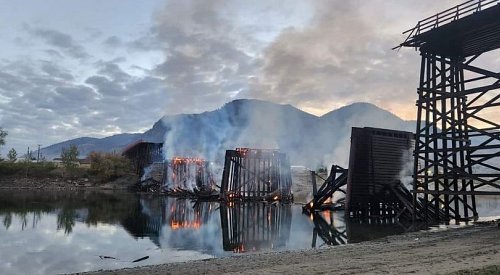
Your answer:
<point x="104" y="167"/>
<point x="25" y="168"/>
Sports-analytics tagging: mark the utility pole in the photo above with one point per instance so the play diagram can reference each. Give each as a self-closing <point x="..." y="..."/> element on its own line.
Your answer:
<point x="38" y="154"/>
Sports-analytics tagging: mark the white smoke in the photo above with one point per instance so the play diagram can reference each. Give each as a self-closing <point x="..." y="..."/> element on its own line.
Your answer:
<point x="405" y="176"/>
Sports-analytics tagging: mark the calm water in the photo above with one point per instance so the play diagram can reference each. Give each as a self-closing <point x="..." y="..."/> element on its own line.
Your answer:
<point x="59" y="232"/>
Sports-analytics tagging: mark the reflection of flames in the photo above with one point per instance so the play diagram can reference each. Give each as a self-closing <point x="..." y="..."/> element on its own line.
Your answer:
<point x="326" y="215"/>
<point x="182" y="219"/>
<point x="185" y="224"/>
<point x="239" y="249"/>
<point x="233" y="196"/>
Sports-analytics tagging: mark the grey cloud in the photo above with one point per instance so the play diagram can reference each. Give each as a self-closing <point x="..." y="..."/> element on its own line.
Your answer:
<point x="53" y="53"/>
<point x="105" y="86"/>
<point x="61" y="40"/>
<point x="113" y="71"/>
<point x="113" y="42"/>
<point x="42" y="98"/>
<point x="55" y="71"/>
<point x="205" y="61"/>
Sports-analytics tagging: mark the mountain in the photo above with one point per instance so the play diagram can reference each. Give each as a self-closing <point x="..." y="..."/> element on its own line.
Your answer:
<point x="307" y="139"/>
<point x="88" y="144"/>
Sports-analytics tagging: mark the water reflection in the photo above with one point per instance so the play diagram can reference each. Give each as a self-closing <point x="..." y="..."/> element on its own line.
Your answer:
<point x="332" y="232"/>
<point x="61" y="232"/>
<point x="255" y="226"/>
<point x="90" y="208"/>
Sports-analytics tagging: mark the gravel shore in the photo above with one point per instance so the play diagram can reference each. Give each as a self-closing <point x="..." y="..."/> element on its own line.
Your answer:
<point x="427" y="252"/>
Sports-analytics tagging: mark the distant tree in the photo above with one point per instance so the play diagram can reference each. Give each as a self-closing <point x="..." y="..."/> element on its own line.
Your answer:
<point x="7" y="220"/>
<point x="12" y="155"/>
<point x="69" y="157"/>
<point x="3" y="134"/>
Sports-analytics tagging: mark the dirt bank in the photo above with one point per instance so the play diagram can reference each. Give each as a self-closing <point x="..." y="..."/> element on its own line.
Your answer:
<point x="438" y="252"/>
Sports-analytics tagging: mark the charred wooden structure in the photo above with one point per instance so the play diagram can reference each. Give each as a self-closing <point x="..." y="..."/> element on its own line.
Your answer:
<point x="336" y="180"/>
<point x="251" y="226"/>
<point x="458" y="144"/>
<point x="376" y="167"/>
<point x="256" y="174"/>
<point x="189" y="177"/>
<point x="142" y="154"/>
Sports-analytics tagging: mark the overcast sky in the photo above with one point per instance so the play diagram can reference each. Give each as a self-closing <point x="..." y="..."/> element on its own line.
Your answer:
<point x="96" y="68"/>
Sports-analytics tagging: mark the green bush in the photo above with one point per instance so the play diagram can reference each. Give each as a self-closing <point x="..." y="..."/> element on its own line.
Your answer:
<point x="107" y="166"/>
<point x="26" y="168"/>
<point x="11" y="168"/>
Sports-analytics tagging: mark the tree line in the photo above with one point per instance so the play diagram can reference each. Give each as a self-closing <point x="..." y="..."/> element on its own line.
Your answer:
<point x="103" y="166"/>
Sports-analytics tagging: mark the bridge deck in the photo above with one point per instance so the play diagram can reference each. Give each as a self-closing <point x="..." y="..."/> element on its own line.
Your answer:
<point x="446" y="34"/>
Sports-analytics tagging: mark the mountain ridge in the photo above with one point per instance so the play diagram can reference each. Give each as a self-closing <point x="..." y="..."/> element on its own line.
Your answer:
<point x="306" y="138"/>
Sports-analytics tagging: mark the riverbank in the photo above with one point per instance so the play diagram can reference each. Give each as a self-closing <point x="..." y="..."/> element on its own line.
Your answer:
<point x="426" y="252"/>
<point x="57" y="182"/>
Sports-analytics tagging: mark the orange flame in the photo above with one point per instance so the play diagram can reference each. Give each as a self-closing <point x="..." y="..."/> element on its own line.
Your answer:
<point x="327" y="215"/>
<point x="242" y="151"/>
<point x="183" y="160"/>
<point x="185" y="224"/>
<point x="239" y="249"/>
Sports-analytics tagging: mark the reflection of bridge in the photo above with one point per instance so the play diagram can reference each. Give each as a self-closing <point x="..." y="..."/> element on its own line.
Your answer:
<point x="325" y="228"/>
<point x="335" y="229"/>
<point x="255" y="226"/>
<point x="153" y="213"/>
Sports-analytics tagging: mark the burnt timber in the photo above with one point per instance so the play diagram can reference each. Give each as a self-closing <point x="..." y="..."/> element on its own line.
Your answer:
<point x="336" y="180"/>
<point x="256" y="174"/>
<point x="142" y="154"/>
<point x="457" y="148"/>
<point x="376" y="163"/>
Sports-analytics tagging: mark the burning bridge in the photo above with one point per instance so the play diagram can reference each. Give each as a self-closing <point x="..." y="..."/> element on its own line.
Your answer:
<point x="457" y="150"/>
<point x="189" y="177"/>
<point x="256" y="174"/>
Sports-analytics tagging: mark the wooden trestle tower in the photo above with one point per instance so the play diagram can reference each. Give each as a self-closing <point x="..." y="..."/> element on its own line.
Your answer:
<point x="457" y="150"/>
<point x="256" y="174"/>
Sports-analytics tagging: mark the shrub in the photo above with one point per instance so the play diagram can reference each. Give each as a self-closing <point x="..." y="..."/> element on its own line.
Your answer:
<point x="107" y="166"/>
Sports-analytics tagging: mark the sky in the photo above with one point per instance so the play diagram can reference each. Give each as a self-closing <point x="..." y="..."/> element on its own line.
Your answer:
<point x="96" y="68"/>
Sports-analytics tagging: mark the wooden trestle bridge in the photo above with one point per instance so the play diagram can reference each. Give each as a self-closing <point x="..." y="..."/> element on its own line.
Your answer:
<point x="457" y="149"/>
